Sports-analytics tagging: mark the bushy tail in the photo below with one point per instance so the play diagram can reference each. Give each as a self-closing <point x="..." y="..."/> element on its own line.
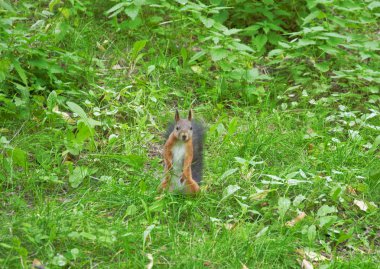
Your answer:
<point x="198" y="141"/>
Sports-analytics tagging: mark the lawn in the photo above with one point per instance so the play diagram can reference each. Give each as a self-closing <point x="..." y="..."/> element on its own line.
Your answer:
<point x="292" y="152"/>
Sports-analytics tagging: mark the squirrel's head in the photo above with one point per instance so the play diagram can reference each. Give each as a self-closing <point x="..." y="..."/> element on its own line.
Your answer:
<point x="182" y="129"/>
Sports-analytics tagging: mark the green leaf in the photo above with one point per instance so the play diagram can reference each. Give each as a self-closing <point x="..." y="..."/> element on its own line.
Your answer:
<point x="375" y="144"/>
<point x="208" y="22"/>
<point x="51" y="100"/>
<point x="373" y="5"/>
<point x="88" y="236"/>
<point x="19" y="157"/>
<point x="182" y="2"/>
<point x="305" y="42"/>
<point x="139" y="2"/>
<point x="242" y="47"/>
<point x="311" y="16"/>
<point x="328" y="49"/>
<point x="260" y="41"/>
<point x="53" y="3"/>
<point x="151" y="68"/>
<point x="132" y="11"/>
<point x="262" y="232"/>
<point x="231" y="189"/>
<point x="83" y="134"/>
<point x="311" y="233"/>
<point x="283" y="206"/>
<point x="4" y="68"/>
<point x="284" y="45"/>
<point x="298" y="200"/>
<point x="59" y="260"/>
<point x="325" y="210"/>
<point x="6" y="6"/>
<point x="327" y="220"/>
<point x="334" y="35"/>
<point x="80" y="112"/>
<point x="344" y="236"/>
<point x="157" y="206"/>
<point x="218" y="54"/>
<point x="131" y="210"/>
<point x="184" y="55"/>
<point x="196" y="56"/>
<point x="137" y="47"/>
<point x="231" y="31"/>
<point x="77" y="109"/>
<point x="228" y="173"/>
<point x="76" y="178"/>
<point x="20" y="72"/>
<point x="323" y="67"/>
<point x="75" y="253"/>
<point x="275" y="52"/>
<point x="117" y="7"/>
<point x="253" y="74"/>
<point x="251" y="30"/>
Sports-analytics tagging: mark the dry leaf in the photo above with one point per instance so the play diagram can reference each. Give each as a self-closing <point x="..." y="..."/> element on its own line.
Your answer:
<point x="306" y="265"/>
<point x="313" y="256"/>
<point x="159" y="197"/>
<point x="196" y="69"/>
<point x="362" y="205"/>
<point x="243" y="266"/>
<point x="37" y="264"/>
<point x="196" y="49"/>
<point x="293" y="222"/>
<point x="351" y="190"/>
<point x="207" y="263"/>
<point x="100" y="47"/>
<point x="64" y="115"/>
<point x="259" y="195"/>
<point x="310" y="131"/>
<point x="146" y="234"/>
<point x="117" y="67"/>
<point x="150" y="264"/>
<point x="310" y="147"/>
<point x="229" y="226"/>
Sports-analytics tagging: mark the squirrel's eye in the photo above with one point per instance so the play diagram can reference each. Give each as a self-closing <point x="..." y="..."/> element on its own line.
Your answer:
<point x="191" y="128"/>
<point x="177" y="128"/>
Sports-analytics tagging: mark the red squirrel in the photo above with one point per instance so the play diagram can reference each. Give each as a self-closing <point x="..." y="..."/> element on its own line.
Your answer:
<point x="183" y="155"/>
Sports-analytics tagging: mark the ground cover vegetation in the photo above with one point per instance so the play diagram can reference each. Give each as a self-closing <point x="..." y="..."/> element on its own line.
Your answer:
<point x="288" y="90"/>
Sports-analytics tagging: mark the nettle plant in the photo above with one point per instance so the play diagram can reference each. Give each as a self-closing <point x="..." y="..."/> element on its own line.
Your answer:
<point x="210" y="46"/>
<point x="332" y="43"/>
<point x="33" y="57"/>
<point x="265" y="22"/>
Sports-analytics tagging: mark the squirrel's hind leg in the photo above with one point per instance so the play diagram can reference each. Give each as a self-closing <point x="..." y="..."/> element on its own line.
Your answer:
<point x="192" y="186"/>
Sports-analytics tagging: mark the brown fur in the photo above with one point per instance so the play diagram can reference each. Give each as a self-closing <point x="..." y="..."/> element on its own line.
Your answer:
<point x="183" y="133"/>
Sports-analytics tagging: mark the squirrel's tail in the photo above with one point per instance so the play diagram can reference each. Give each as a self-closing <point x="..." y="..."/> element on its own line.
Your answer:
<point x="198" y="141"/>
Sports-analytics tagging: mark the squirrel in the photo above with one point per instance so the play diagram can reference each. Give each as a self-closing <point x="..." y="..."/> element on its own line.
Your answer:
<point x="183" y="155"/>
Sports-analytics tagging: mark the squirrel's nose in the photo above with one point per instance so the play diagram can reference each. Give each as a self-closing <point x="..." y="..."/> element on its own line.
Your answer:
<point x="183" y="137"/>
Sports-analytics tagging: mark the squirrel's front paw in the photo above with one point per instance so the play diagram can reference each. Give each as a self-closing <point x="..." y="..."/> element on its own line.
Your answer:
<point x="163" y="185"/>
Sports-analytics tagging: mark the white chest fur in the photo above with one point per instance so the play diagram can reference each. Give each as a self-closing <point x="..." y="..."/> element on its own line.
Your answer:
<point x="178" y="151"/>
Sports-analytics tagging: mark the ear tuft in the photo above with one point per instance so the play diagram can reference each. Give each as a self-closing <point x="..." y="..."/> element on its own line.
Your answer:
<point x="190" y="117"/>
<point x="176" y="115"/>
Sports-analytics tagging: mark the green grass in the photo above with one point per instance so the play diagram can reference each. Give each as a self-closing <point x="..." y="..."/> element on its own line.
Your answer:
<point x="104" y="220"/>
<point x="314" y="153"/>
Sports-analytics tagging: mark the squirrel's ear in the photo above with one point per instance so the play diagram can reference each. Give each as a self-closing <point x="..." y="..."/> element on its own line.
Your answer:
<point x="176" y="115"/>
<point x="190" y="117"/>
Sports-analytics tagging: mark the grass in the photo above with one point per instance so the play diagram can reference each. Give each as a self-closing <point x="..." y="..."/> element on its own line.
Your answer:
<point x="102" y="223"/>
<point x="266" y="161"/>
